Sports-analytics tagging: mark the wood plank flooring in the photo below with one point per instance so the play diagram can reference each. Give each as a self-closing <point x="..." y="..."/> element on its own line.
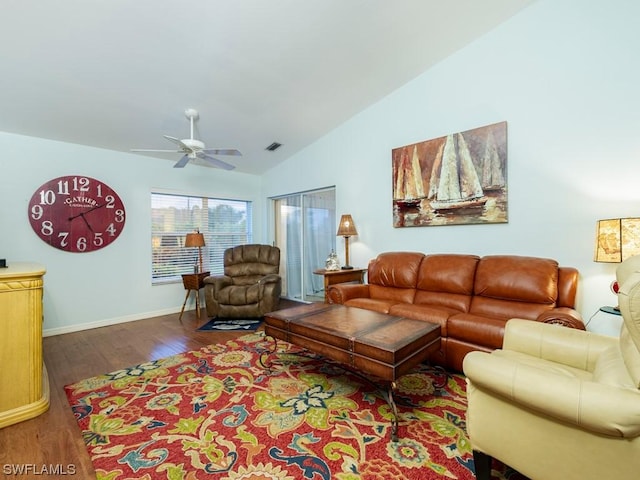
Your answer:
<point x="54" y="438"/>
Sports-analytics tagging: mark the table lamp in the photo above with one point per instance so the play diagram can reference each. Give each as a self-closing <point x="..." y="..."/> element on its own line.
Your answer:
<point x="346" y="229"/>
<point x="195" y="240"/>
<point x="616" y="240"/>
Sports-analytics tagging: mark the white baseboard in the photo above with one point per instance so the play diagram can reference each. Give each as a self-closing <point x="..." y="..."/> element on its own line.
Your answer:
<point x="49" y="332"/>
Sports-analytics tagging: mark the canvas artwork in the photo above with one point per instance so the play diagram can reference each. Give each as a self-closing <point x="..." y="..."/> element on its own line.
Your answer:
<point x="460" y="178"/>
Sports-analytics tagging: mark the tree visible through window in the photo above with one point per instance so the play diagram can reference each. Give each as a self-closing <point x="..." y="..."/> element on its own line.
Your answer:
<point x="224" y="223"/>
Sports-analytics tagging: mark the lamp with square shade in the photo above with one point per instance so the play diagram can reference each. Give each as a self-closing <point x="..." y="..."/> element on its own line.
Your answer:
<point x="616" y="240"/>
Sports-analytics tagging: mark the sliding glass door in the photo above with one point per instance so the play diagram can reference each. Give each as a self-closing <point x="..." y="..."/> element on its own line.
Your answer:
<point x="305" y="233"/>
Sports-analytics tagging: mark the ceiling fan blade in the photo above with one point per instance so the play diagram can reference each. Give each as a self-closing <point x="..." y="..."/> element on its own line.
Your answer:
<point x="215" y="162"/>
<point x="152" y="150"/>
<point x="178" y="142"/>
<point x="223" y="151"/>
<point x="182" y="162"/>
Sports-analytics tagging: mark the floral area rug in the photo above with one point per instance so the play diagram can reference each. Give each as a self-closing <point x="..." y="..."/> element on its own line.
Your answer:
<point x="216" y="412"/>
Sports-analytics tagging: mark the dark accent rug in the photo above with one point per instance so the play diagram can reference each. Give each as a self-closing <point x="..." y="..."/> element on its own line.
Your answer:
<point x="216" y="413"/>
<point x="226" y="324"/>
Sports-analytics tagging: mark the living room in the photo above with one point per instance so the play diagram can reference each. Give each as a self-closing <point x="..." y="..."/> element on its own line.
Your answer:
<point x="560" y="73"/>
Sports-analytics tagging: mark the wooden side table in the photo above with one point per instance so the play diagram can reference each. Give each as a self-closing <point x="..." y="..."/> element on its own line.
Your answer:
<point x="193" y="282"/>
<point x="340" y="276"/>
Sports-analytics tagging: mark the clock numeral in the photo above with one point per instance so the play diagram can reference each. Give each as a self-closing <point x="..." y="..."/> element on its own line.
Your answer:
<point x="47" y="228"/>
<point x="36" y="212"/>
<point x="63" y="236"/>
<point x="119" y="215"/>
<point x="111" y="229"/>
<point x="47" y="197"/>
<point x="97" y="239"/>
<point x="81" y="244"/>
<point x="81" y="184"/>
<point x="63" y="187"/>
<point x="111" y="201"/>
<point x="100" y="190"/>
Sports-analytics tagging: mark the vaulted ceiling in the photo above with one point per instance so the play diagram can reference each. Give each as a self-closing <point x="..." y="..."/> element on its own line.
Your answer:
<point x="119" y="74"/>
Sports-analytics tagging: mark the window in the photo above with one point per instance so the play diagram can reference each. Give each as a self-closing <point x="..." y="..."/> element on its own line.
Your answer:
<point x="224" y="223"/>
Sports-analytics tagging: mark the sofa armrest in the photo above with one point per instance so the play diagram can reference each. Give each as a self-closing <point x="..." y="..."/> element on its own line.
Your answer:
<point x="342" y="292"/>
<point x="565" y="316"/>
<point x="567" y="346"/>
<point x="596" y="407"/>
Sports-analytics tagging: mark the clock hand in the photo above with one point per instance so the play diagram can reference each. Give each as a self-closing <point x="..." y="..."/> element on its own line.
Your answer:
<point x="85" y="221"/>
<point x="87" y="211"/>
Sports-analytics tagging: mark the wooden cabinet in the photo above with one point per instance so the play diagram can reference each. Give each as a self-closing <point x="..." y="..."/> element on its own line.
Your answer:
<point x="24" y="386"/>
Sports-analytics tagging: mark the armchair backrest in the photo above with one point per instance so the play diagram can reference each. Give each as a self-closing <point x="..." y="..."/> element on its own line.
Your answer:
<point x="246" y="264"/>
<point x="628" y="276"/>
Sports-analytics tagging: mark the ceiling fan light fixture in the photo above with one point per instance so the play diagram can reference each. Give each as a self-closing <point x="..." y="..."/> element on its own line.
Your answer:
<point x="193" y="144"/>
<point x="193" y="148"/>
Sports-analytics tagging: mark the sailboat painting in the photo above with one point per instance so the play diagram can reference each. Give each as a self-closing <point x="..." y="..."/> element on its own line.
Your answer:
<point x="456" y="179"/>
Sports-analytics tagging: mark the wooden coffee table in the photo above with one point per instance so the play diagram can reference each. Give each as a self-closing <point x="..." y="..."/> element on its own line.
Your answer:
<point x="376" y="344"/>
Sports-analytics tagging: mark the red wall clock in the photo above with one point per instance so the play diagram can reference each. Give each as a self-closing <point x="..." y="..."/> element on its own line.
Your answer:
<point x="76" y="213"/>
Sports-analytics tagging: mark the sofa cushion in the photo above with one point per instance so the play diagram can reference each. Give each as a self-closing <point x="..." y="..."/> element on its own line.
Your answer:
<point x="240" y="295"/>
<point x="426" y="313"/>
<point x="610" y="369"/>
<point x="395" y="269"/>
<point x="524" y="279"/>
<point x="392" y="294"/>
<point x="447" y="280"/>
<point x="506" y="309"/>
<point x="475" y="329"/>
<point x="375" y="304"/>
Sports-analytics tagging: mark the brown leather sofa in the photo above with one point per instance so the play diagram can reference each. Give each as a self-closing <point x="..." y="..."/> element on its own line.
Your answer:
<point x="470" y="297"/>
<point x="251" y="284"/>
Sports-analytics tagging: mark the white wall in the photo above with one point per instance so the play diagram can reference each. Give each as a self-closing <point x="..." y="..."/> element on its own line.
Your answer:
<point x="111" y="285"/>
<point x="564" y="74"/>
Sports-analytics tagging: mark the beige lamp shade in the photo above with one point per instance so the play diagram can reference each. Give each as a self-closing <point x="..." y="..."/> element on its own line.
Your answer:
<point x="194" y="240"/>
<point x="617" y="239"/>
<point x="346" y="228"/>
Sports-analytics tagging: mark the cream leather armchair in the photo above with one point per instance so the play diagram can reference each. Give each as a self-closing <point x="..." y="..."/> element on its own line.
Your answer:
<point x="558" y="403"/>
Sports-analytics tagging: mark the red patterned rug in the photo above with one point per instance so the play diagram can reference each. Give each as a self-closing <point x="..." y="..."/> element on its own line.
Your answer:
<point x="215" y="411"/>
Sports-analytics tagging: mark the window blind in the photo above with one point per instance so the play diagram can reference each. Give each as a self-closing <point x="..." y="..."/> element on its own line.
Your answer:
<point x="224" y="223"/>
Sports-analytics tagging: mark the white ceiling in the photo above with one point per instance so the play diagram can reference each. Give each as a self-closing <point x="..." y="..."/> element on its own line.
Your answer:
<point x="118" y="74"/>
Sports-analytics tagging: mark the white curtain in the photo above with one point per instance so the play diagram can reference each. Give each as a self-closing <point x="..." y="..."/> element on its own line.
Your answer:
<point x="305" y="233"/>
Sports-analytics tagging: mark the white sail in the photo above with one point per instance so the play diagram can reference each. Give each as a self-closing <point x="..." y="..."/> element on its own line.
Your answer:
<point x="455" y="175"/>
<point x="435" y="173"/>
<point x="409" y="187"/>
<point x="492" y="176"/>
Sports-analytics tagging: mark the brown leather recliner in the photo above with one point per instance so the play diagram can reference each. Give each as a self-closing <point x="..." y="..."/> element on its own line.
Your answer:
<point x="251" y="284"/>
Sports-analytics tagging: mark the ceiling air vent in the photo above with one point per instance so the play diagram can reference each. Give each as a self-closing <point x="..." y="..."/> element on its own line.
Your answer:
<point x="274" y="146"/>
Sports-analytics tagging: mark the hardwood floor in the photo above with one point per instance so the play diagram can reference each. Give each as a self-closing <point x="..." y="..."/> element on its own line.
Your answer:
<point x="54" y="438"/>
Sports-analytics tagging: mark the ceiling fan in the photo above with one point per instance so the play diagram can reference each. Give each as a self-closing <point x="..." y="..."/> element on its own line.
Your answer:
<point x="195" y="149"/>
